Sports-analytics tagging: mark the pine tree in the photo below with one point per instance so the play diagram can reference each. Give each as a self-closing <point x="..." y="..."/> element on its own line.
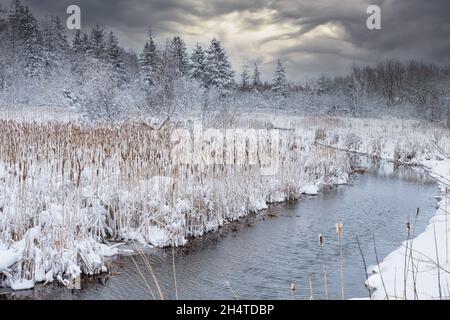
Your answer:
<point x="198" y="61"/>
<point x="257" y="83"/>
<point x="27" y="24"/>
<point x="97" y="42"/>
<point x="280" y="85"/>
<point x="148" y="59"/>
<point x="114" y="57"/>
<point x="54" y="42"/>
<point x="80" y="45"/>
<point x="245" y="78"/>
<point x="178" y="51"/>
<point x="3" y="21"/>
<point x="13" y="22"/>
<point x="218" y="68"/>
<point x="77" y="43"/>
<point x="323" y="84"/>
<point x="29" y="33"/>
<point x="85" y="43"/>
<point x="59" y="36"/>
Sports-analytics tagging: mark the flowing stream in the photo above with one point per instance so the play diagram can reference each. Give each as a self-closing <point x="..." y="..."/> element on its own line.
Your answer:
<point x="260" y="256"/>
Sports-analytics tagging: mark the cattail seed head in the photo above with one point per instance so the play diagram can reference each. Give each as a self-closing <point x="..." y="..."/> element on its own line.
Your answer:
<point x="293" y="287"/>
<point x="339" y="229"/>
<point x="321" y="239"/>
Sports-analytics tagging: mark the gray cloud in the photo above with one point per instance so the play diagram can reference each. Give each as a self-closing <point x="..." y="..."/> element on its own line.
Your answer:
<point x="311" y="37"/>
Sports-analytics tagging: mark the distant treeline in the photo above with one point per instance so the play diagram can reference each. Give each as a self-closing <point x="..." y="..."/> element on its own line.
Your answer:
<point x="94" y="75"/>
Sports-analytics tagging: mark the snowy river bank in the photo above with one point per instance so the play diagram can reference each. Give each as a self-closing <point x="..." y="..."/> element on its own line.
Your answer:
<point x="419" y="268"/>
<point x="57" y="216"/>
<point x="260" y="255"/>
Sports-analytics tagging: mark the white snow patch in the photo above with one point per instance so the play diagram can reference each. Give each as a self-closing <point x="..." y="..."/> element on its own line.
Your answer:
<point x="311" y="190"/>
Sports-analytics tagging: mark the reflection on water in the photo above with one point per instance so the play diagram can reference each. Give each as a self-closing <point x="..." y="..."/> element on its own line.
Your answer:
<point x="263" y="254"/>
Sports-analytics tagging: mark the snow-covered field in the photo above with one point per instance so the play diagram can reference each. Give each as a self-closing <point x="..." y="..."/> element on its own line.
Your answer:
<point x="69" y="191"/>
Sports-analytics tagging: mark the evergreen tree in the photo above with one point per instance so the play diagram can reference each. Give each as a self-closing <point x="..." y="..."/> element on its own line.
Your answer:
<point x="114" y="57"/>
<point x="323" y="84"/>
<point x="27" y="25"/>
<point x="13" y="22"/>
<point x="97" y="42"/>
<point x="198" y="61"/>
<point x="218" y="68"/>
<point x="257" y="83"/>
<point x="148" y="59"/>
<point x="29" y="34"/>
<point x="3" y="21"/>
<point x="178" y="51"/>
<point x="280" y="84"/>
<point x="59" y="36"/>
<point x="80" y="45"/>
<point x="245" y="78"/>
<point x="77" y="43"/>
<point x="14" y="15"/>
<point x="54" y="42"/>
<point x="85" y="43"/>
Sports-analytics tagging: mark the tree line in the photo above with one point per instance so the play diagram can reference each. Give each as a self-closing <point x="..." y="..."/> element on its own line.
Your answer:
<point x="92" y="73"/>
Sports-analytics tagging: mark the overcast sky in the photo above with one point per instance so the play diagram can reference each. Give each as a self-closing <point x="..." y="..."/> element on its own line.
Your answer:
<point x="309" y="36"/>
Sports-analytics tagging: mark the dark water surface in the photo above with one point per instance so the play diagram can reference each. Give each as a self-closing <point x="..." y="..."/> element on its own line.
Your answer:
<point x="260" y="256"/>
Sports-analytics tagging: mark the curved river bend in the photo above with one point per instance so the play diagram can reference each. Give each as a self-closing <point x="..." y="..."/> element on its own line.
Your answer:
<point x="260" y="256"/>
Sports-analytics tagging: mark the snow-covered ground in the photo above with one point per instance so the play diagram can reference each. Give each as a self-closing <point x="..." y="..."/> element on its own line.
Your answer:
<point x="60" y="205"/>
<point x="420" y="267"/>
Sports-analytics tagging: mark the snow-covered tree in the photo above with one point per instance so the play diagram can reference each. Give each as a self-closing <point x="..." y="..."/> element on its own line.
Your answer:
<point x="98" y="96"/>
<point x="85" y="43"/>
<point x="218" y="69"/>
<point x="80" y="47"/>
<point x="77" y="43"/>
<point x="97" y="42"/>
<point x="59" y="35"/>
<point x="198" y="63"/>
<point x="257" y="83"/>
<point x="161" y="97"/>
<point x="14" y="18"/>
<point x="131" y="65"/>
<point x="323" y="84"/>
<point x="178" y="51"/>
<point x="3" y="20"/>
<point x="148" y="59"/>
<point x="280" y="84"/>
<point x="114" y="57"/>
<point x="245" y="78"/>
<point x="55" y="43"/>
<point x="29" y="32"/>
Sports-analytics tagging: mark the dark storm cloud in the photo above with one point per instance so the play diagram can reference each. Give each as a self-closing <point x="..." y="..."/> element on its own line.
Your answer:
<point x="412" y="27"/>
<point x="310" y="36"/>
